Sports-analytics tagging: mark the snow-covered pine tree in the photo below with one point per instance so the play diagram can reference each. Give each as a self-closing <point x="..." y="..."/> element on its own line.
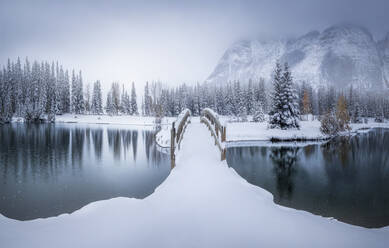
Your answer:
<point x="220" y="102"/>
<point x="275" y="113"/>
<point x="87" y="99"/>
<point x="35" y="104"/>
<point x="356" y="114"/>
<point x="115" y="98"/>
<point x="147" y="100"/>
<point x="5" y="98"/>
<point x="73" y="101"/>
<point x="261" y="95"/>
<point x="66" y="92"/>
<point x="134" y="104"/>
<point x="258" y="115"/>
<point x="97" y="102"/>
<point x="80" y="106"/>
<point x="109" y="106"/>
<point x="284" y="113"/>
<point x="291" y="100"/>
<point x="229" y="100"/>
<point x="242" y="111"/>
<point x="249" y="98"/>
<point x="126" y="102"/>
<point x="19" y="98"/>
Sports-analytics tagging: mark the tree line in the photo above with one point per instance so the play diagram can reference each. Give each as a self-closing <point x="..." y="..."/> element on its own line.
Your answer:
<point x="42" y="90"/>
<point x="38" y="90"/>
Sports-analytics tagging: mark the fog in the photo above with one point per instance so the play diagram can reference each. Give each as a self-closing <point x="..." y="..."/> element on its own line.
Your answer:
<point x="169" y="41"/>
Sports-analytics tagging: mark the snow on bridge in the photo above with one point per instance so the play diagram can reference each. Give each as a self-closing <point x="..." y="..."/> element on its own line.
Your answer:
<point x="203" y="203"/>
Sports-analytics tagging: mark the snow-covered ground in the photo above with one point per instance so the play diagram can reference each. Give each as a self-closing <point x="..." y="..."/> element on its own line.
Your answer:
<point x="309" y="130"/>
<point x="163" y="136"/>
<point x="254" y="131"/>
<point x="106" y="119"/>
<point x="203" y="203"/>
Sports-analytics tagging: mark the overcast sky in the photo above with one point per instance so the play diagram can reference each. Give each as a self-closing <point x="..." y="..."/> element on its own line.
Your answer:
<point x="171" y="41"/>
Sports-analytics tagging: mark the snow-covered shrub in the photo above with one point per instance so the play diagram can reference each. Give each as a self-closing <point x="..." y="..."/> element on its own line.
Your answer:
<point x="242" y="117"/>
<point x="379" y="119"/>
<point x="329" y="124"/>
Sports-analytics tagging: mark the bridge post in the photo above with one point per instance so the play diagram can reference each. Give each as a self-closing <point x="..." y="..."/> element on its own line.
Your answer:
<point x="224" y="134"/>
<point x="172" y="146"/>
<point x="223" y="154"/>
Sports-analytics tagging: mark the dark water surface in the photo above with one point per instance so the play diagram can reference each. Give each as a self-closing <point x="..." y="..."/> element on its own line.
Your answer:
<point x="51" y="169"/>
<point x="346" y="178"/>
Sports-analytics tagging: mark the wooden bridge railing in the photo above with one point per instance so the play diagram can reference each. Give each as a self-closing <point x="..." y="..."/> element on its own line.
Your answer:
<point x="218" y="131"/>
<point x="177" y="134"/>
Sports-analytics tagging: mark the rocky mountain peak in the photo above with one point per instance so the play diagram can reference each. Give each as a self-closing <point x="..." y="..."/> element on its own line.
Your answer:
<point x="341" y="55"/>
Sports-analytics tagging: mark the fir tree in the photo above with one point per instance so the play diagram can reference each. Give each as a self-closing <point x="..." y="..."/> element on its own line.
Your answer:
<point x="134" y="105"/>
<point x="87" y="99"/>
<point x="284" y="113"/>
<point x="258" y="115"/>
<point x="97" y="102"/>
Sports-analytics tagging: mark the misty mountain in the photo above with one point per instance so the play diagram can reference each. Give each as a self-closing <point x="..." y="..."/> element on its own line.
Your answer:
<point x="340" y="55"/>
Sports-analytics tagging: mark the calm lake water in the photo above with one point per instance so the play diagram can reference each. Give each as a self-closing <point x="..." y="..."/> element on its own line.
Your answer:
<point x="346" y="178"/>
<point x="51" y="169"/>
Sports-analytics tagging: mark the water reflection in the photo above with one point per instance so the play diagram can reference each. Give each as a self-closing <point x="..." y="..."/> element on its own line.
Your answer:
<point x="48" y="169"/>
<point x="284" y="160"/>
<point x="346" y="178"/>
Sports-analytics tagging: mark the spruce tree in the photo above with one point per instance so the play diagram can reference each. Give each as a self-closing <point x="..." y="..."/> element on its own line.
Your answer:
<point x="258" y="115"/>
<point x="73" y="101"/>
<point x="284" y="113"/>
<point x="134" y="105"/>
<point x="96" y="106"/>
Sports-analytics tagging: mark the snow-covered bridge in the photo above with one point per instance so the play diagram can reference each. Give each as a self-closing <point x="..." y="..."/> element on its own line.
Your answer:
<point x="203" y="203"/>
<point x="208" y="118"/>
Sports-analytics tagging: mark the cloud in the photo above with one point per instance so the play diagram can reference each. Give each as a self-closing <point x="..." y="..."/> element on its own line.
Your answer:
<point x="171" y="41"/>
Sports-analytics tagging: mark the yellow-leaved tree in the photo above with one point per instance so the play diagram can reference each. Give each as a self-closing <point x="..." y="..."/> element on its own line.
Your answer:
<point x="342" y="115"/>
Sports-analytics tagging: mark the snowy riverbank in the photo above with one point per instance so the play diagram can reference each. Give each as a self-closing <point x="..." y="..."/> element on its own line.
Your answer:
<point x="309" y="131"/>
<point x="203" y="203"/>
<point x="259" y="132"/>
<point x="107" y="119"/>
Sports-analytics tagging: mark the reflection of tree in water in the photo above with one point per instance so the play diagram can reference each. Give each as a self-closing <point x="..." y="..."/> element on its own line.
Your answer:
<point x="97" y="137"/>
<point x="87" y="136"/>
<point x="284" y="160"/>
<point x="33" y="150"/>
<point x="126" y="140"/>
<point x="114" y="142"/>
<point x="309" y="150"/>
<point x="337" y="149"/>
<point x="134" y="142"/>
<point x="78" y="139"/>
<point x="153" y="155"/>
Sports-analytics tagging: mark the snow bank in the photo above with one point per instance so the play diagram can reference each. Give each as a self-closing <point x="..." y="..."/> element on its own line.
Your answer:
<point x="106" y="119"/>
<point x="309" y="131"/>
<point x="163" y="136"/>
<point x="203" y="203"/>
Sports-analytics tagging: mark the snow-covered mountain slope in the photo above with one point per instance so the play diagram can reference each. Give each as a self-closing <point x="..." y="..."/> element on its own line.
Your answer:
<point x="340" y="55"/>
<point x="383" y="47"/>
